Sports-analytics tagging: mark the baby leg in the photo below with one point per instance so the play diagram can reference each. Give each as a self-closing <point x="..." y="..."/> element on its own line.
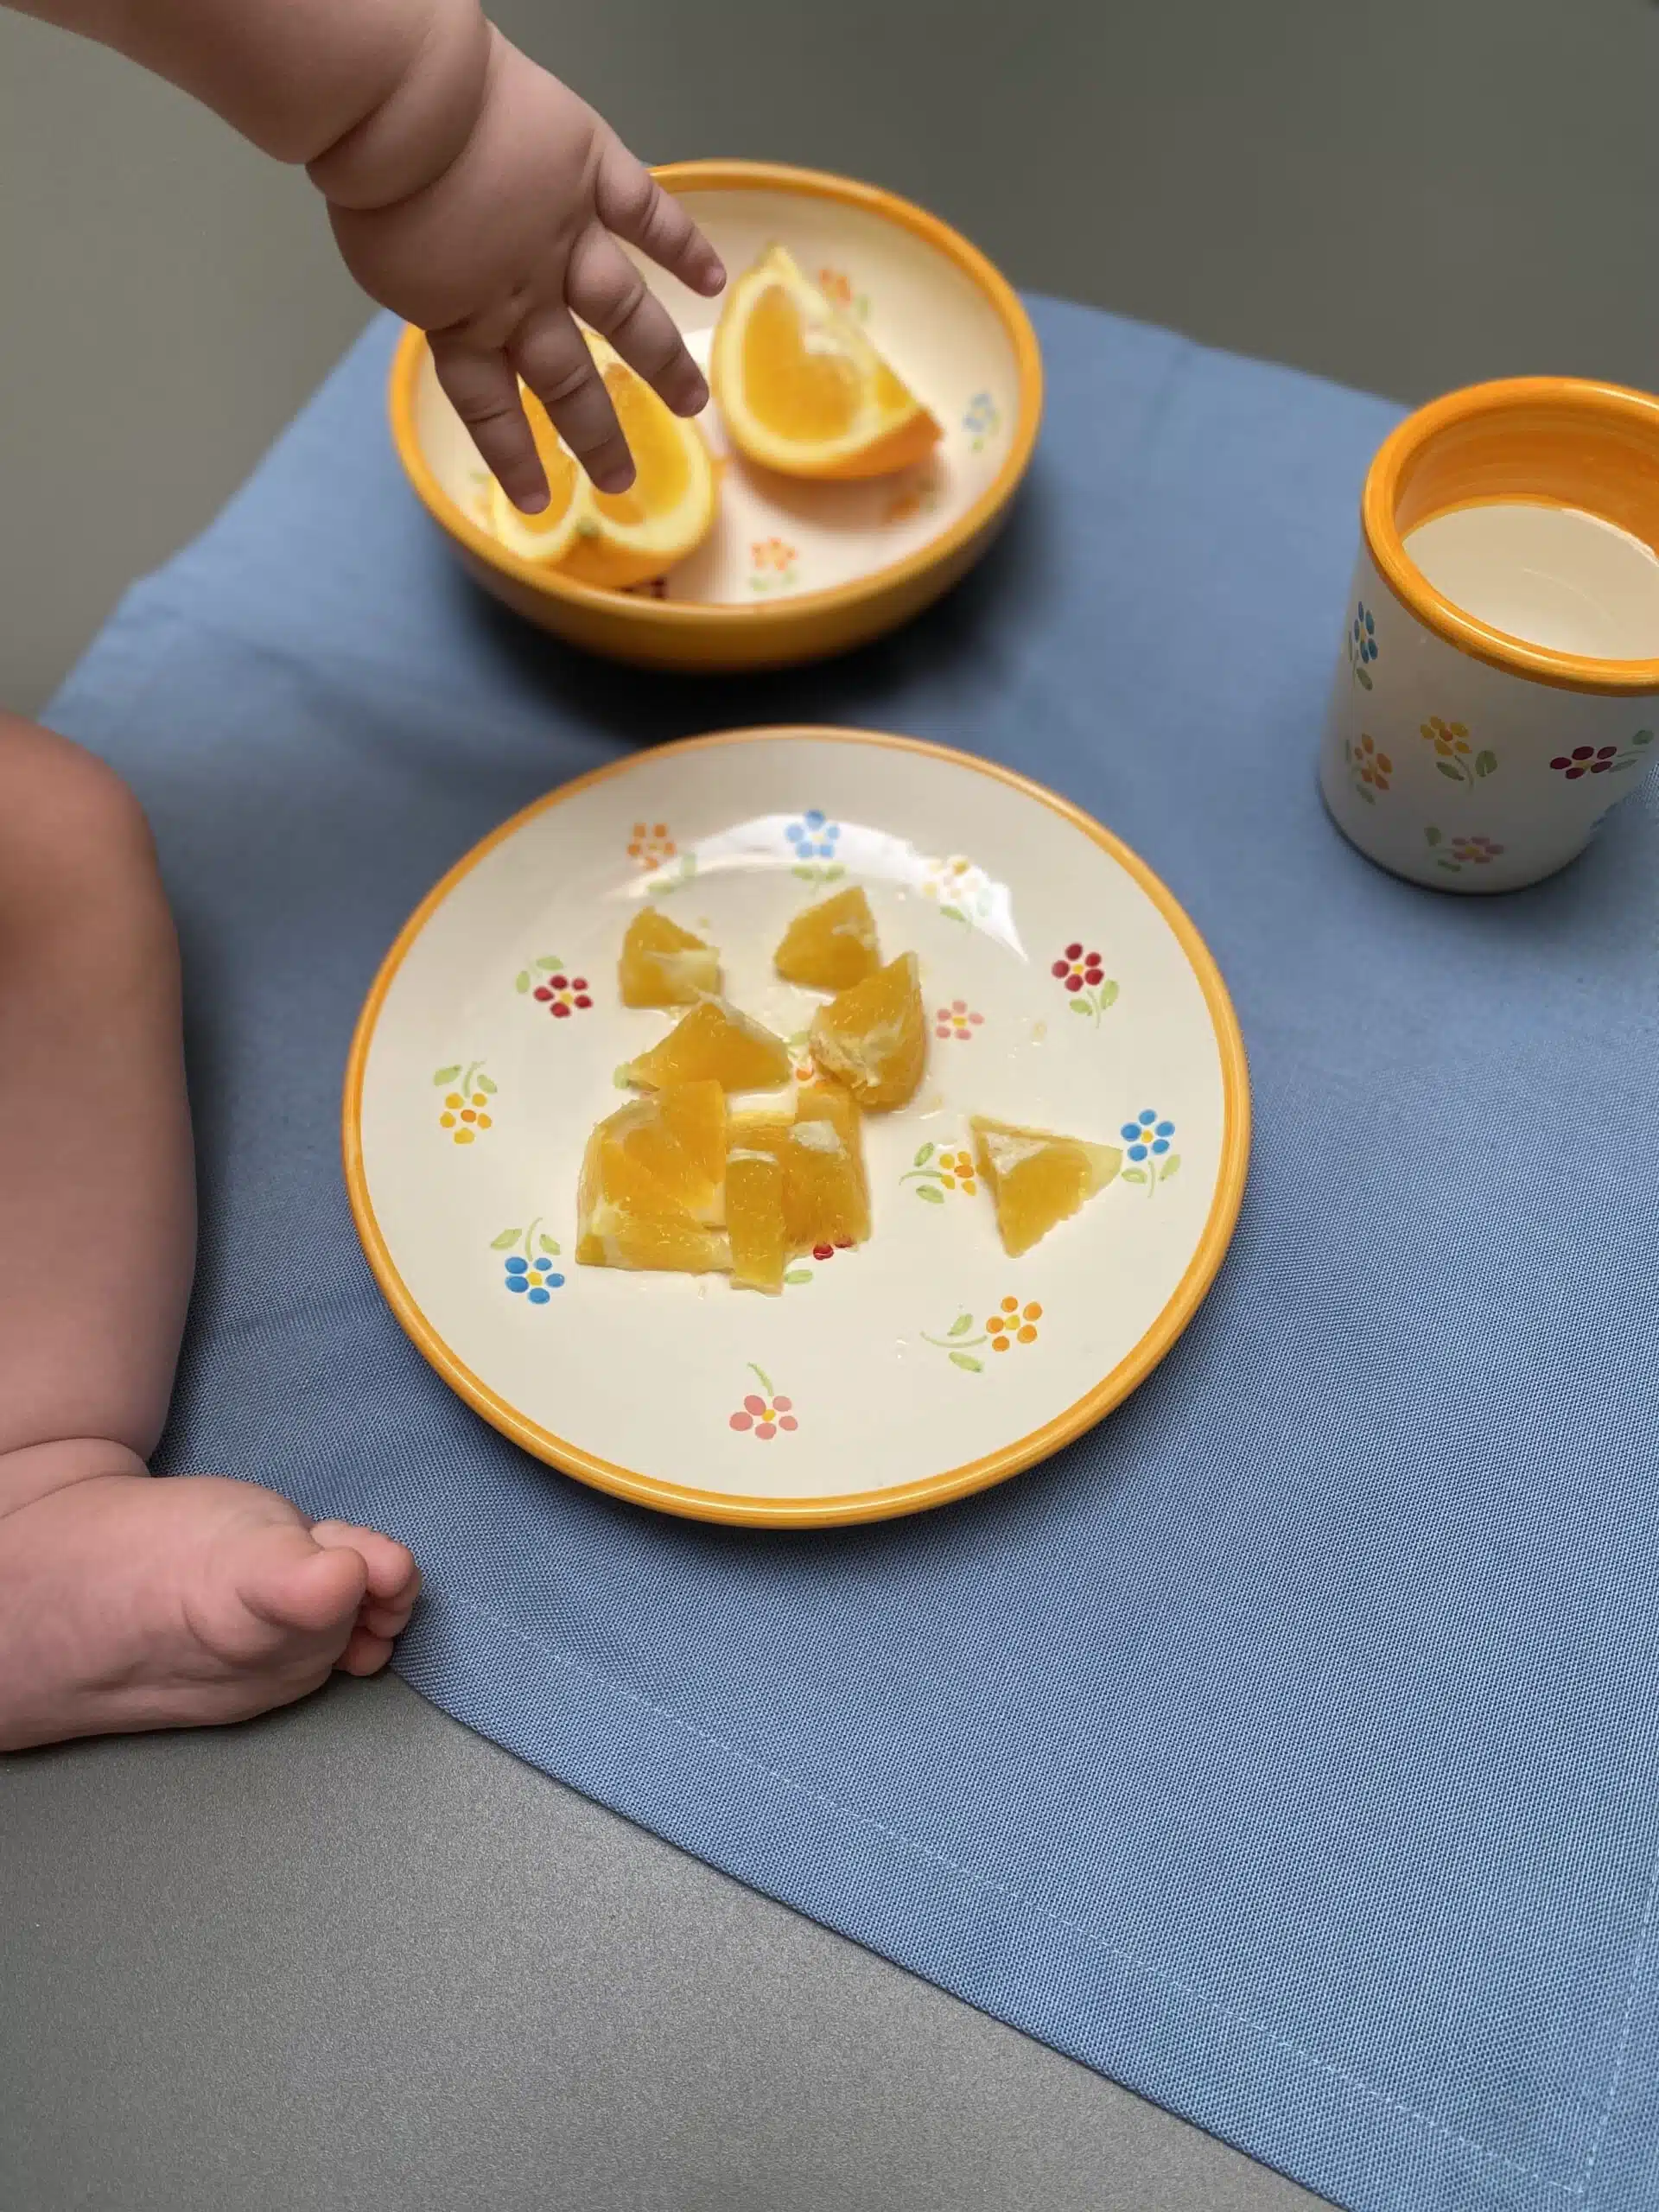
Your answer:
<point x="124" y="1603"/>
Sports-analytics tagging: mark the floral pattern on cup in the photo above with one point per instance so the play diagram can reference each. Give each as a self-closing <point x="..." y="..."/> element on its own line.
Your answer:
<point x="934" y="1173"/>
<point x="772" y="564"/>
<point x="1454" y="753"/>
<point x="1456" y="854"/>
<point x="955" y="1023"/>
<point x="1362" y="644"/>
<point x="1147" y="1142"/>
<point x="465" y="1113"/>
<point x="1602" y="759"/>
<point x="1082" y="976"/>
<point x="1368" y="768"/>
<point x="763" y="1418"/>
<point x="529" y="1273"/>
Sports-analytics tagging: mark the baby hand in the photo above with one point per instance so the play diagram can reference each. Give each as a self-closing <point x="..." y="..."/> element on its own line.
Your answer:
<point x="516" y="236"/>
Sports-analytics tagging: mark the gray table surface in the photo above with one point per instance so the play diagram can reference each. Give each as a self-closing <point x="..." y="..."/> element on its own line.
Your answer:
<point x="352" y="1955"/>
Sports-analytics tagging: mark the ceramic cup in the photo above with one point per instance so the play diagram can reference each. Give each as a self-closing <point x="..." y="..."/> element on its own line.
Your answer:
<point x="1458" y="752"/>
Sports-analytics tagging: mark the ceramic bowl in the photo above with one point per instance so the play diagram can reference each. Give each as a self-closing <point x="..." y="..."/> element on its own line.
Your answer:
<point x="1460" y="754"/>
<point x="793" y="571"/>
<point x="1065" y="988"/>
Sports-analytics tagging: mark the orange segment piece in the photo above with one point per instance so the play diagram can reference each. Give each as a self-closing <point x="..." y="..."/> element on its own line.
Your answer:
<point x="827" y="1196"/>
<point x="715" y="1044"/>
<point x="616" y="538"/>
<point x="668" y="1152"/>
<point x="830" y="946"/>
<point x="650" y="1171"/>
<point x="802" y="388"/>
<point x="1038" y="1177"/>
<point x="663" y="964"/>
<point x="874" y="1036"/>
<point x="754" y="1218"/>
<point x="821" y="1151"/>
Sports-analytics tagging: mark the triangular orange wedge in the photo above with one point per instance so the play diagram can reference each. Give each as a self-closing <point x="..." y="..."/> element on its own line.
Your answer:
<point x="663" y="964"/>
<point x="830" y="946"/>
<point x="801" y="387"/>
<point x="1038" y="1177"/>
<point x="874" y="1037"/>
<point x="714" y="1044"/>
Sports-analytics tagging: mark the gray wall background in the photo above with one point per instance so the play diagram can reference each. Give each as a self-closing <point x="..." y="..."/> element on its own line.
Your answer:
<point x="1405" y="195"/>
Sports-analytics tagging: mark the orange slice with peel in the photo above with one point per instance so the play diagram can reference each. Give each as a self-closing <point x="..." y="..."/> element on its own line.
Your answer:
<point x="874" y="1036"/>
<point x="1038" y="1177"/>
<point x="616" y="538"/>
<point x="715" y="1044"/>
<point x="801" y="387"/>
<point x="663" y="964"/>
<point x="830" y="946"/>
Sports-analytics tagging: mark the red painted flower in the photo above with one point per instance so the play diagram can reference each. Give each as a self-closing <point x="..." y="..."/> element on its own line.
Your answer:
<point x="564" y="995"/>
<point x="762" y="1417"/>
<point x="1585" y="761"/>
<point x="1079" y="970"/>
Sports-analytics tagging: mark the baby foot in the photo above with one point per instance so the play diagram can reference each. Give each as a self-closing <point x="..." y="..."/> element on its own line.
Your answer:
<point x="127" y="1603"/>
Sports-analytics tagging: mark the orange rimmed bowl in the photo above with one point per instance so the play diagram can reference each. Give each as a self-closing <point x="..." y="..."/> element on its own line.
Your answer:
<point x="793" y="571"/>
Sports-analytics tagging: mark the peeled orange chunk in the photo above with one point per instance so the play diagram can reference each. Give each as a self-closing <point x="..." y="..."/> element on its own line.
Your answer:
<point x="830" y="946"/>
<point x="668" y="1151"/>
<point x="801" y="387"/>
<point x="874" y="1036"/>
<point x="616" y="538"/>
<point x="714" y="1044"/>
<point x="652" y="1182"/>
<point x="663" y="964"/>
<point x="754" y="1218"/>
<point x="826" y="1191"/>
<point x="821" y="1152"/>
<point x="1038" y="1177"/>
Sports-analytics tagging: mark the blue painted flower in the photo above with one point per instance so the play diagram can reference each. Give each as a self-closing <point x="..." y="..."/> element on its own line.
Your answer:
<point x="1147" y="1134"/>
<point x="1362" y="637"/>
<point x="981" y="416"/>
<point x="814" y="838"/>
<point x="535" y="1280"/>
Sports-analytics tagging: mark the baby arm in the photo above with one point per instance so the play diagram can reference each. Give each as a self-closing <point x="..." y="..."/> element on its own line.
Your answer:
<point x="469" y="191"/>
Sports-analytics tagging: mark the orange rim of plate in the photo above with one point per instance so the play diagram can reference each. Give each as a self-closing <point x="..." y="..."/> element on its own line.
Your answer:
<point x="684" y="177"/>
<point x="842" y="1511"/>
<point x="1542" y="440"/>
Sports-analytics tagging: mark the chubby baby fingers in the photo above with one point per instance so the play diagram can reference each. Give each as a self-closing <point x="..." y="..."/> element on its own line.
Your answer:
<point x="482" y="389"/>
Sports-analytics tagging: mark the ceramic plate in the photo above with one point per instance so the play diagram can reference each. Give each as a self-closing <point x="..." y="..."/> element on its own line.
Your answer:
<point x="1064" y="988"/>
<point x="791" y="568"/>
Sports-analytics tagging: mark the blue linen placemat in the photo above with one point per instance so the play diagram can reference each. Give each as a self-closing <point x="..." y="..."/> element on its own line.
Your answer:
<point x="1287" y="1748"/>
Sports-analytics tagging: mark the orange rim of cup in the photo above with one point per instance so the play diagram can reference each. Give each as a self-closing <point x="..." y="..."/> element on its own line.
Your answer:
<point x="1535" y="440"/>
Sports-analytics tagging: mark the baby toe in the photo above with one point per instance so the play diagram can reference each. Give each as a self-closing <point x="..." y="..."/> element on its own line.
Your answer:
<point x="293" y="1586"/>
<point x="365" y="1653"/>
<point x="384" y="1620"/>
<point x="393" y="1577"/>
